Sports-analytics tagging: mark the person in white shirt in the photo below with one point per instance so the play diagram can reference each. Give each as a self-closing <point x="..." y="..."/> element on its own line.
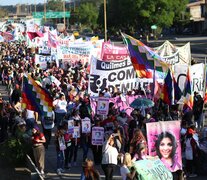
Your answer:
<point x="60" y="106"/>
<point x="109" y="159"/>
<point x="125" y="168"/>
<point x="31" y="119"/>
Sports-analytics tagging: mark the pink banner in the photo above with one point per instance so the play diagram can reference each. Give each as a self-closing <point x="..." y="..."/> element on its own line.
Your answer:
<point x="164" y="141"/>
<point x="111" y="52"/>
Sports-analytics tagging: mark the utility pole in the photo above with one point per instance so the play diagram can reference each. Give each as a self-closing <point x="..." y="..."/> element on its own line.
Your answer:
<point x="35" y="8"/>
<point x="105" y="21"/>
<point x="64" y="13"/>
<point x="45" y="10"/>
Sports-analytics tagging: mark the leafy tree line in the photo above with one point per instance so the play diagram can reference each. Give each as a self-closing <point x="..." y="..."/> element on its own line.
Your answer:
<point x="125" y="15"/>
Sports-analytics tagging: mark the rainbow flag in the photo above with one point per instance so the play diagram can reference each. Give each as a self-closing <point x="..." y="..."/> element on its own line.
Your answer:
<point x="188" y="94"/>
<point x="171" y="92"/>
<point x="36" y="98"/>
<point x="142" y="65"/>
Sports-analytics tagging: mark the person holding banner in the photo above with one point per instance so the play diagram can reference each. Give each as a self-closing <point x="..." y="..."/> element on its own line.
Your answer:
<point x="166" y="146"/>
<point x="109" y="159"/>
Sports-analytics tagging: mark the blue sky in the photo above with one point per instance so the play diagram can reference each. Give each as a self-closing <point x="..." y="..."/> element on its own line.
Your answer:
<point x="14" y="2"/>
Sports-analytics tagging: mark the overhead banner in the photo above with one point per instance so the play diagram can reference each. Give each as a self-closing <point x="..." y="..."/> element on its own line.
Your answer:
<point x="75" y="52"/>
<point x="43" y="60"/>
<point x="197" y="76"/>
<point x="114" y="75"/>
<point x="152" y="169"/>
<point x="164" y="142"/>
<point x="172" y="54"/>
<point x="112" y="52"/>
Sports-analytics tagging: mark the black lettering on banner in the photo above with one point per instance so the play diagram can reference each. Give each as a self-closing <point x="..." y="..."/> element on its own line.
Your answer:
<point x="180" y="82"/>
<point x="110" y="78"/>
<point x="130" y="73"/>
<point x="121" y="75"/>
<point x="197" y="84"/>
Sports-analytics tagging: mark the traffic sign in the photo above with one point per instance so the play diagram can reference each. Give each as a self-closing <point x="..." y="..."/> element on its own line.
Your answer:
<point x="51" y="14"/>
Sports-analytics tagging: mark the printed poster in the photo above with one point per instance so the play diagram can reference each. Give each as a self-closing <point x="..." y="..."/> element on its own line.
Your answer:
<point x="86" y="125"/>
<point x="164" y="142"/>
<point x="61" y="141"/>
<point x="70" y="126"/>
<point x="97" y="136"/>
<point x="152" y="170"/>
<point x="76" y="132"/>
<point x="103" y="106"/>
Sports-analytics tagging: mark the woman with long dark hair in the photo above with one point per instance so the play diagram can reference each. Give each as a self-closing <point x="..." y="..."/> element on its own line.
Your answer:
<point x="89" y="172"/>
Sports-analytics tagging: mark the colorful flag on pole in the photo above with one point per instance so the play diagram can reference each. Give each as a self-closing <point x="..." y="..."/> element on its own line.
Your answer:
<point x="52" y="41"/>
<point x="188" y="94"/>
<point x="138" y="53"/>
<point x="171" y="91"/>
<point x="33" y="35"/>
<point x="36" y="98"/>
<point x="7" y="36"/>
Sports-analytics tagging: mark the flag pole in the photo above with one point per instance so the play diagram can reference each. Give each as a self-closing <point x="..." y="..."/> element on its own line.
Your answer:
<point x="105" y="21"/>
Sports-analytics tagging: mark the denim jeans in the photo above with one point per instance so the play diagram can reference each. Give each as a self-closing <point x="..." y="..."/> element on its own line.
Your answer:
<point x="58" y="118"/>
<point x="60" y="159"/>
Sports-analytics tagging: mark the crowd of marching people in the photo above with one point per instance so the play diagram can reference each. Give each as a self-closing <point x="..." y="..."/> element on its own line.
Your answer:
<point x="125" y="140"/>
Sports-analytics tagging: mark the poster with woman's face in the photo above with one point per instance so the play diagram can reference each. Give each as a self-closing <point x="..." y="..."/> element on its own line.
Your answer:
<point x="76" y="132"/>
<point x="164" y="141"/>
<point x="103" y="106"/>
<point x="86" y="125"/>
<point x="70" y="126"/>
<point x="97" y="136"/>
<point x="61" y="142"/>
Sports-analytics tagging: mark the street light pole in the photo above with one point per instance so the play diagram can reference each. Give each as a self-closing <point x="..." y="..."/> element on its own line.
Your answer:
<point x="105" y="21"/>
<point x="64" y="12"/>
<point x="35" y="6"/>
<point x="45" y="10"/>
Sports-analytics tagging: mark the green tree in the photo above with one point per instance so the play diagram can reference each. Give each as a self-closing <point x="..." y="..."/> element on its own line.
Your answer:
<point x="132" y="15"/>
<point x="55" y="5"/>
<point x="88" y="14"/>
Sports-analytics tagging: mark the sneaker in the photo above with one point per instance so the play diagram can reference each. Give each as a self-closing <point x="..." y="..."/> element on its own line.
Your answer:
<point x="59" y="171"/>
<point x="62" y="170"/>
<point x="192" y="175"/>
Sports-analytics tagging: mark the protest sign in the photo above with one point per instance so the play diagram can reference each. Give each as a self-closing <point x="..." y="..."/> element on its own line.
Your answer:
<point x="197" y="77"/>
<point x="76" y="132"/>
<point x="114" y="75"/>
<point x="112" y="52"/>
<point x="164" y="141"/>
<point x="86" y="125"/>
<point x="42" y="60"/>
<point x="152" y="170"/>
<point x="97" y="136"/>
<point x="75" y="52"/>
<point x="61" y="142"/>
<point x="103" y="106"/>
<point x="70" y="126"/>
<point x="172" y="54"/>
